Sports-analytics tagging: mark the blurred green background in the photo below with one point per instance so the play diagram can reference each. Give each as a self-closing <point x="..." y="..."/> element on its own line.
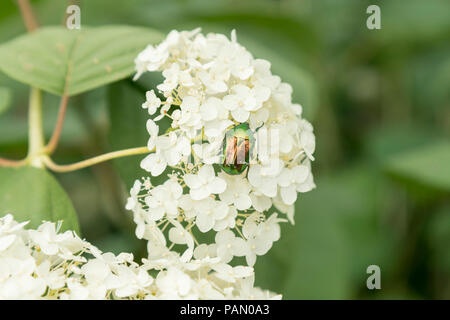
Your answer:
<point x="380" y="104"/>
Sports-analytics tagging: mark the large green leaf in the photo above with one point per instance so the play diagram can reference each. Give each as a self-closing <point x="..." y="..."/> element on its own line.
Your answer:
<point x="33" y="194"/>
<point x="427" y="165"/>
<point x="5" y="99"/>
<point x="64" y="61"/>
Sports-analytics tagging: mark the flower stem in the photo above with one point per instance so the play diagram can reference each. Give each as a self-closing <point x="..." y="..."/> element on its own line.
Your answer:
<point x="12" y="163"/>
<point x="35" y="133"/>
<point x="31" y="24"/>
<point x="90" y="162"/>
<point x="51" y="145"/>
<point x="27" y="15"/>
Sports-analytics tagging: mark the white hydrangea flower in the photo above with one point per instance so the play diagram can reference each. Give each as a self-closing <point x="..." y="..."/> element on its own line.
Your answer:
<point x="174" y="284"/>
<point x="208" y="153"/>
<point x="209" y="212"/>
<point x="169" y="151"/>
<point x="237" y="191"/>
<point x="290" y="180"/>
<point x="228" y="221"/>
<point x="153" y="130"/>
<point x="229" y="246"/>
<point x="152" y="103"/>
<point x="151" y="59"/>
<point x="154" y="163"/>
<point x="228" y="273"/>
<point x="204" y="183"/>
<point x="260" y="202"/>
<point x="163" y="199"/>
<point x="261" y="181"/>
<point x="243" y="100"/>
<point x="260" y="237"/>
<point x="133" y="202"/>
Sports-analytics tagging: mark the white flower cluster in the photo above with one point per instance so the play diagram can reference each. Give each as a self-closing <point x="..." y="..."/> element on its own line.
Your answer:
<point x="47" y="264"/>
<point x="212" y="86"/>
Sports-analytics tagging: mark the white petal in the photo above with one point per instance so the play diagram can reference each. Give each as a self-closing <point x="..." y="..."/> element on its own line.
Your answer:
<point x="250" y="257"/>
<point x="254" y="175"/>
<point x="260" y="202"/>
<point x="152" y="128"/>
<point x="156" y="214"/>
<point x="300" y="173"/>
<point x="288" y="194"/>
<point x="285" y="177"/>
<point x="217" y="185"/>
<point x="209" y="109"/>
<point x="308" y="185"/>
<point x="242" y="272"/>
<point x="171" y="208"/>
<point x="240" y="247"/>
<point x="240" y="114"/>
<point x="221" y="210"/>
<point x="263" y="246"/>
<point x="243" y="202"/>
<point x="230" y="102"/>
<point x="269" y="187"/>
<point x="6" y="241"/>
<point x="206" y="173"/>
<point x="204" y="222"/>
<point x="192" y="181"/>
<point x="177" y="235"/>
<point x="189" y="103"/>
<point x="224" y="236"/>
<point x="154" y="164"/>
<point x="199" y="194"/>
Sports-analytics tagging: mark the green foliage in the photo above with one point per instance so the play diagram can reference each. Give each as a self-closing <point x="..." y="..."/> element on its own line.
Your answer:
<point x="320" y="251"/>
<point x="438" y="235"/>
<point x="304" y="88"/>
<point x="128" y="125"/>
<point x="63" y="61"/>
<point x="5" y="99"/>
<point x="428" y="165"/>
<point x="128" y="128"/>
<point x="33" y="194"/>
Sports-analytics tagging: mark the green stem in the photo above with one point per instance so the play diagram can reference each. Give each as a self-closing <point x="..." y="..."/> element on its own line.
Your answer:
<point x="90" y="162"/>
<point x="35" y="133"/>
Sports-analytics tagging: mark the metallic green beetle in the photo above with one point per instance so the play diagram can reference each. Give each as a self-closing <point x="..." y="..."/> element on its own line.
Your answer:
<point x="237" y="147"/>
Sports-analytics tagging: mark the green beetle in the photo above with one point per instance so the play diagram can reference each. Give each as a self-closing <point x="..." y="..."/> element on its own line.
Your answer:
<point x="237" y="147"/>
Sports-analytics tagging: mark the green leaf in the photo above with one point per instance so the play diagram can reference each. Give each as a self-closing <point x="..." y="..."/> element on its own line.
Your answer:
<point x="63" y="61"/>
<point x="33" y="194"/>
<point x="5" y="99"/>
<point x="128" y="123"/>
<point x="427" y="165"/>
